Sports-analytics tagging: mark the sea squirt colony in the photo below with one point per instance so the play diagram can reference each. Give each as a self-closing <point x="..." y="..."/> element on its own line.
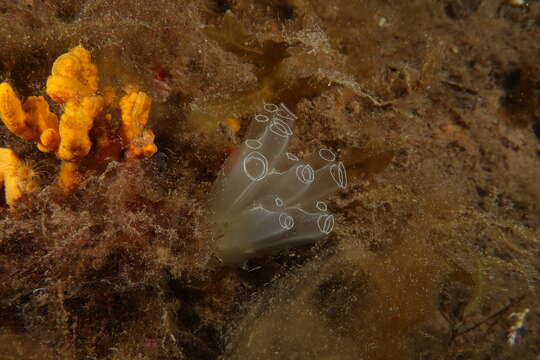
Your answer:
<point x="266" y="198"/>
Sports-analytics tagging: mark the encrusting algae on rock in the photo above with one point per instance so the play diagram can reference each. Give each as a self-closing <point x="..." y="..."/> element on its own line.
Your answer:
<point x="83" y="137"/>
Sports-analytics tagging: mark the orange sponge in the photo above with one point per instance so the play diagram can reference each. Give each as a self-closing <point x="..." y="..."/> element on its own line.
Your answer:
<point x="73" y="76"/>
<point x="135" y="108"/>
<point x="31" y="121"/>
<point x="16" y="176"/>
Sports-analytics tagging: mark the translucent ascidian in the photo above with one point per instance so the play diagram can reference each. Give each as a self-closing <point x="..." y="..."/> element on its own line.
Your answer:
<point x="30" y="121"/>
<point x="266" y="198"/>
<point x="16" y="177"/>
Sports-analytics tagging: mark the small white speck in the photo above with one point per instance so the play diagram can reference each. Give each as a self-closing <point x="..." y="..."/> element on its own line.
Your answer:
<point x="517" y="325"/>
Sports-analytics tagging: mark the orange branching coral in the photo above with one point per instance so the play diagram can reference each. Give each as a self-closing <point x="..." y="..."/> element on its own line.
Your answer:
<point x="16" y="177"/>
<point x="75" y="126"/>
<point x="74" y="83"/>
<point x="135" y="108"/>
<point x="86" y="135"/>
<point x="74" y="76"/>
<point x="45" y="122"/>
<point x="31" y="121"/>
<point x="69" y="178"/>
<point x="12" y="113"/>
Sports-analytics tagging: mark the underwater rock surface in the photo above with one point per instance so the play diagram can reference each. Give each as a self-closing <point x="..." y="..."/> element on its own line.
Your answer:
<point x="433" y="107"/>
